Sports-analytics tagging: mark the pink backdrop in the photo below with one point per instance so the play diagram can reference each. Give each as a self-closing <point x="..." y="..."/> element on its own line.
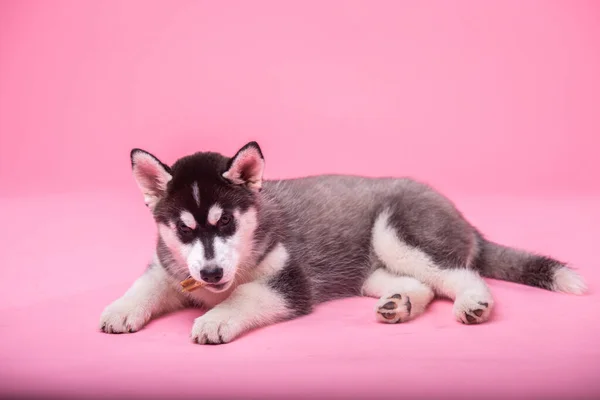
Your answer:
<point x="494" y="96"/>
<point x="494" y="102"/>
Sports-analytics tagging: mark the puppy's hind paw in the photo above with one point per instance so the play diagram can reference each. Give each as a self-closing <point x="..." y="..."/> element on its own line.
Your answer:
<point x="394" y="308"/>
<point x="473" y="309"/>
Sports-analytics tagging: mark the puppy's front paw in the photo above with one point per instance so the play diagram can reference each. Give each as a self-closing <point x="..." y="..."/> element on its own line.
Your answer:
<point x="123" y="315"/>
<point x="216" y="327"/>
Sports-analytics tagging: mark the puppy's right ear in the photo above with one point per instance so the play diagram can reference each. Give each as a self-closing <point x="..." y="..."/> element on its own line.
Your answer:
<point x="151" y="176"/>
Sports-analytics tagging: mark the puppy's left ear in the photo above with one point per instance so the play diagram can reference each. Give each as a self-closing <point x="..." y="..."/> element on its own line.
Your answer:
<point x="151" y="175"/>
<point x="246" y="167"/>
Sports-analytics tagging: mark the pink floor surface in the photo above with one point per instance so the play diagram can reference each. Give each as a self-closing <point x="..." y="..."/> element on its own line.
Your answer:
<point x="59" y="271"/>
<point x="470" y="96"/>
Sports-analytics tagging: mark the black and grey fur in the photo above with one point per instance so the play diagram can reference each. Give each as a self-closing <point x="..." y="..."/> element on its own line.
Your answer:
<point x="270" y="250"/>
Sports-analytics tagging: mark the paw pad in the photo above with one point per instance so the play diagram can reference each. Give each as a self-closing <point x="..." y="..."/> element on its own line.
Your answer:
<point x="393" y="309"/>
<point x="475" y="316"/>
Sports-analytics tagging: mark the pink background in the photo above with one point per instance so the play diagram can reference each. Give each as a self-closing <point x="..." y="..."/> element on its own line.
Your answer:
<point x="496" y="103"/>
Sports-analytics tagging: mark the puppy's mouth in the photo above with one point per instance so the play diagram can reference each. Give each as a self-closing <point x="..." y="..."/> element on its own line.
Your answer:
<point x="217" y="287"/>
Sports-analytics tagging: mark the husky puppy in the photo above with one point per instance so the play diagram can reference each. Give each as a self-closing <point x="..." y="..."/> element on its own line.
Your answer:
<point x="269" y="251"/>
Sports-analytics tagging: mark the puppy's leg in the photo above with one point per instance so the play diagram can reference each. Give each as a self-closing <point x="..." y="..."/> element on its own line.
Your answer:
<point x="473" y="301"/>
<point x="401" y="297"/>
<point x="150" y="295"/>
<point x="255" y="304"/>
<point x="250" y="305"/>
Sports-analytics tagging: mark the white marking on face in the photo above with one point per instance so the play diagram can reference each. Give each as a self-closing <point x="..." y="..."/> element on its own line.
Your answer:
<point x="196" y="193"/>
<point x="178" y="250"/>
<point x="214" y="214"/>
<point x="190" y="257"/>
<point x="195" y="259"/>
<point x="232" y="252"/>
<point x="188" y="219"/>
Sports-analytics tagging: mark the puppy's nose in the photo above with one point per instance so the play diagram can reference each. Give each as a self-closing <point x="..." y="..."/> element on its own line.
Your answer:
<point x="211" y="274"/>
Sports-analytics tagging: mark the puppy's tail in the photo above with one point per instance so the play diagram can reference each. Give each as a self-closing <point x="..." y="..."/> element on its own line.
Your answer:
<point x="508" y="264"/>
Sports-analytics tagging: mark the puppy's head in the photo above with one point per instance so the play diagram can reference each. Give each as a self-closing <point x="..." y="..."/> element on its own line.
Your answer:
<point x="205" y="208"/>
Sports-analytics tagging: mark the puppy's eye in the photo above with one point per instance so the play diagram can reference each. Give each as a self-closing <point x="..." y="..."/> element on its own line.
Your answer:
<point x="224" y="220"/>
<point x="183" y="228"/>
